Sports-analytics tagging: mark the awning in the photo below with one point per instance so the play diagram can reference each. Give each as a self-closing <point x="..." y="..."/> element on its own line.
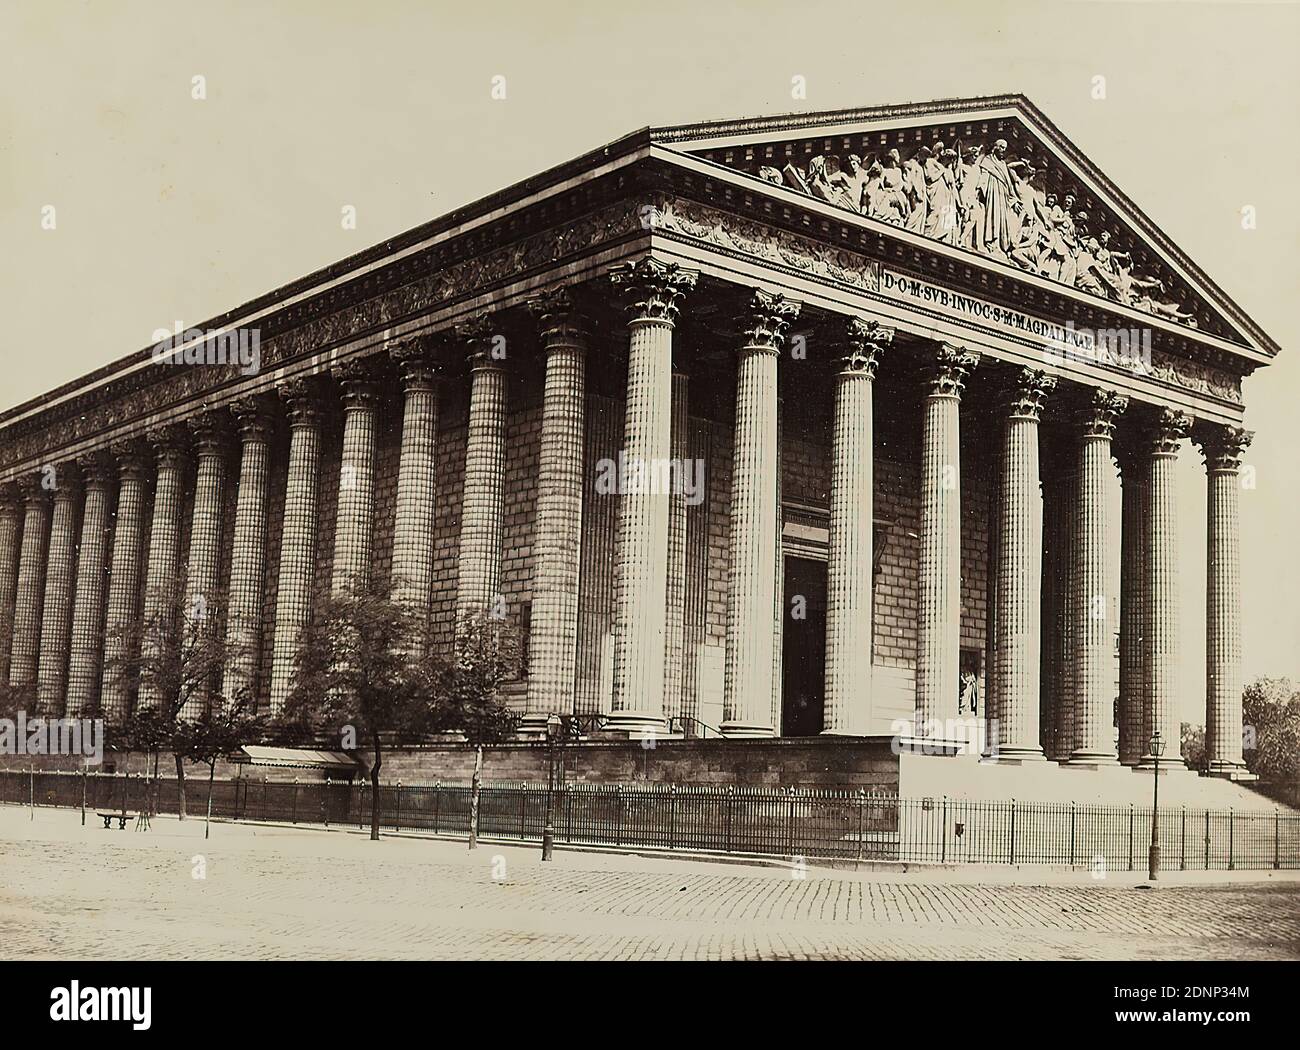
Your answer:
<point x="295" y="758"/>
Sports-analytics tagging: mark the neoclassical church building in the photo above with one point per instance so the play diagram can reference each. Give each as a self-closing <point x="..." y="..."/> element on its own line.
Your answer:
<point x="819" y="425"/>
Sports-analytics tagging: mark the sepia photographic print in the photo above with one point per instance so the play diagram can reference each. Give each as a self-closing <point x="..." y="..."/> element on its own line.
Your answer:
<point x="574" y="483"/>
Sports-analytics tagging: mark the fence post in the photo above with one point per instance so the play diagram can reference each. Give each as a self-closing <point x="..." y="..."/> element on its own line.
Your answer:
<point x="83" y="796"/>
<point x="731" y="794"/>
<point x="568" y="812"/>
<point x="862" y="814"/>
<point x="1013" y="831"/>
<point x="1072" y="833"/>
<point x="1182" y="849"/>
<point x="1130" y="836"/>
<point x="789" y="823"/>
<point x="31" y="791"/>
<point x="672" y="816"/>
<point x="523" y="810"/>
<point x="264" y="796"/>
<point x="1277" y="828"/>
<point x="943" y="847"/>
<point x="618" y="806"/>
<point x="293" y="815"/>
<point x="325" y="803"/>
<point x="1207" y="840"/>
<point x="397" y="818"/>
<point x="437" y="798"/>
<point x="1231" y="865"/>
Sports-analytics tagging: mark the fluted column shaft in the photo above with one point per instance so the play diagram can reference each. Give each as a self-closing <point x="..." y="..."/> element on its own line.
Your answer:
<point x="1134" y="543"/>
<point x="206" y="519"/>
<point x="417" y="478"/>
<point x="654" y="291"/>
<point x="30" y="592"/>
<point x="751" y="578"/>
<point x="87" y="647"/>
<point x="124" y="581"/>
<point x="10" y="540"/>
<point x="1223" y="448"/>
<point x="164" y="564"/>
<point x="298" y="538"/>
<point x="938" y="650"/>
<point x="483" y="503"/>
<point x="553" y="646"/>
<point x="60" y="578"/>
<point x="248" y="557"/>
<point x="849" y="593"/>
<point x="1160" y="656"/>
<point x="675" y="609"/>
<point x="354" y="530"/>
<point x="1017" y="614"/>
<point x="1094" y="647"/>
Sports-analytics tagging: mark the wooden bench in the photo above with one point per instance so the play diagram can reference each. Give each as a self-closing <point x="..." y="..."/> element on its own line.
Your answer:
<point x="108" y="819"/>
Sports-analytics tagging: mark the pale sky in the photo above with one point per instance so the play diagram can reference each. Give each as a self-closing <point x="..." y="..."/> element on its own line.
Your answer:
<point x="170" y="208"/>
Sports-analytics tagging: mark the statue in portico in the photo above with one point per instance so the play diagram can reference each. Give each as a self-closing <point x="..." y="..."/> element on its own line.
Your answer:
<point x="999" y="199"/>
<point x="942" y="220"/>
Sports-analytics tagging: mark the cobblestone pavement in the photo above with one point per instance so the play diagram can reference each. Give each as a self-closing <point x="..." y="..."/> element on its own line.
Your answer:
<point x="274" y="893"/>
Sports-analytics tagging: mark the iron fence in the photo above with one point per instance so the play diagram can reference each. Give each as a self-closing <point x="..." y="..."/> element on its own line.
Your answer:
<point x="791" y="822"/>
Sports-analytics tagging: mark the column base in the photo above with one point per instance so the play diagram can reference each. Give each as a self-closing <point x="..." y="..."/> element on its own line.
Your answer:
<point x="1232" y="771"/>
<point x="636" y="725"/>
<point x="1167" y="765"/>
<point x="1092" y="759"/>
<point x="532" y="727"/>
<point x="746" y="730"/>
<point x="1015" y="755"/>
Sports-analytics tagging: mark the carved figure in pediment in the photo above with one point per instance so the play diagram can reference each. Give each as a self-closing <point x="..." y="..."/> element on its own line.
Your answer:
<point x="853" y="180"/>
<point x="970" y="196"/>
<point x="942" y="221"/>
<point x="770" y="174"/>
<point x="1088" y="268"/>
<point x="914" y="188"/>
<point x="822" y="180"/>
<point x="890" y="202"/>
<point x="999" y="199"/>
<point x="1171" y="311"/>
<point x="1031" y="242"/>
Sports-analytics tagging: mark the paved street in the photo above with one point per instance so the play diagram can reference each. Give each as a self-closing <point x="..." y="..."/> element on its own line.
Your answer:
<point x="276" y="893"/>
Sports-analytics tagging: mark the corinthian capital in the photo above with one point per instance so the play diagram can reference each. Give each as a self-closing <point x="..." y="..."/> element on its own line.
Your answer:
<point x="254" y="419"/>
<point x="952" y="364"/>
<point x="559" y="321"/>
<point x="301" y="397"/>
<point x="483" y="345"/>
<point x="417" y="357"/>
<point x="357" y="378"/>
<point x="1223" y="446"/>
<point x="170" y="446"/>
<point x="1028" y="394"/>
<point x="98" y="468"/>
<point x="211" y="432"/>
<point x="1168" y="431"/>
<point x="1098" y="419"/>
<point x="766" y="319"/>
<point x="652" y="290"/>
<point x="132" y="457"/>
<point x="866" y="341"/>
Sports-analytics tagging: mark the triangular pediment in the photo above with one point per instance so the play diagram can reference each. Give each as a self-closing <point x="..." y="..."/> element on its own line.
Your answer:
<point x="936" y="169"/>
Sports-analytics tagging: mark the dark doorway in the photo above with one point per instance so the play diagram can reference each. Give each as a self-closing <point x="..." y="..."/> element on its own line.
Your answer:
<point x="803" y="653"/>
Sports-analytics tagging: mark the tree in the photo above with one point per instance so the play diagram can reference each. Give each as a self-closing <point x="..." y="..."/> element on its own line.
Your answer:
<point x="363" y="666"/>
<point x="468" y="691"/>
<point x="174" y="656"/>
<point x="1193" y="746"/>
<point x="1271" y="730"/>
<point x="213" y="735"/>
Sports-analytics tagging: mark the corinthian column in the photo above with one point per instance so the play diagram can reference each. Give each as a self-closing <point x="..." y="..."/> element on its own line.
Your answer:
<point x="60" y="577"/>
<point x="1135" y="469"/>
<point x="10" y="533"/>
<point x="938" y="648"/>
<point x="164" y="566"/>
<point x="553" y="646"/>
<point x="1160" y="656"/>
<point x="1017" y="582"/>
<point x="124" y="579"/>
<point x="417" y="476"/>
<point x="675" y="609"/>
<point x="88" y="607"/>
<point x="1094" y="651"/>
<point x="298" y="536"/>
<point x="849" y="603"/>
<point x="354" y="530"/>
<point x="483" y="503"/>
<point x="653" y="291"/>
<point x="1223" y="448"/>
<point x="248" y="555"/>
<point x="211" y="439"/>
<point x="30" y="592"/>
<point x="751" y="577"/>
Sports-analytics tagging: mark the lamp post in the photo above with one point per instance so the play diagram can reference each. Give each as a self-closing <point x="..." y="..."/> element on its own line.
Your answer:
<point x="1153" y="856"/>
<point x="554" y="728"/>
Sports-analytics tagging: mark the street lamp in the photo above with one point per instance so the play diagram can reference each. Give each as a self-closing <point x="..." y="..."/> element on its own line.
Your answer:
<point x="1153" y="856"/>
<point x="554" y="729"/>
